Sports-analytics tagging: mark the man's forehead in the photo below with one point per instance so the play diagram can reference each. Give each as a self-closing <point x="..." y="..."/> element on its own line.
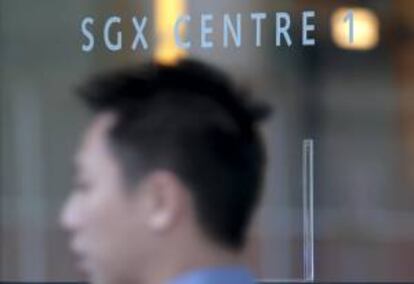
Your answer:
<point x="94" y="136"/>
<point x="101" y="123"/>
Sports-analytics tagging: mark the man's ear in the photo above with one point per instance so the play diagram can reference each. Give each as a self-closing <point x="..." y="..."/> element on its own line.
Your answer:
<point x="167" y="200"/>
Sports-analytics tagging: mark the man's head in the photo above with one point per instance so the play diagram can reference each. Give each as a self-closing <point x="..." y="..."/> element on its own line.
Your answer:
<point x="172" y="158"/>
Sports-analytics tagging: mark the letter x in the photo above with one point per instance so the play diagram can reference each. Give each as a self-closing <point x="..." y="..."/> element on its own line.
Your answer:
<point x="139" y="36"/>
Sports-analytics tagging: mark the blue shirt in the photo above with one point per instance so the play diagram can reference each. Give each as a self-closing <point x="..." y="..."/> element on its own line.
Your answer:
<point x="216" y="275"/>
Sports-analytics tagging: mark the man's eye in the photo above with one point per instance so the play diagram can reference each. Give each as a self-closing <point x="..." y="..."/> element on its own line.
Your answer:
<point x="82" y="186"/>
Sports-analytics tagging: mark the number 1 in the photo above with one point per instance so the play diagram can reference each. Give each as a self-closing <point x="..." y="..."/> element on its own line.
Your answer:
<point x="350" y="17"/>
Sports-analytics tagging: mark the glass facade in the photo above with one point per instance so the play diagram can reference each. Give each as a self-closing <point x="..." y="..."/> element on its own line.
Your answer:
<point x="355" y="102"/>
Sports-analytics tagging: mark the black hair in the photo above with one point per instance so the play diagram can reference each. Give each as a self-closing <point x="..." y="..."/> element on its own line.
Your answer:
<point x="191" y="120"/>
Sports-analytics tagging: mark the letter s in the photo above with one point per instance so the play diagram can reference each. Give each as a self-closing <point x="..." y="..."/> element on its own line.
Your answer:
<point x="87" y="47"/>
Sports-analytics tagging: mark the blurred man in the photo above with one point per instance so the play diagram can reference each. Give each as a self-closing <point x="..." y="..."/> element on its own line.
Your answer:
<point x="168" y="176"/>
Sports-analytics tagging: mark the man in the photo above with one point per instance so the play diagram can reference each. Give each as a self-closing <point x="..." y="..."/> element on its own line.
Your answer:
<point x="168" y="176"/>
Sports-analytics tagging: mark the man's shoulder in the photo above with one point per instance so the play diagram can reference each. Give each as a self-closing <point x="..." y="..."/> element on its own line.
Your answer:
<point x="216" y="275"/>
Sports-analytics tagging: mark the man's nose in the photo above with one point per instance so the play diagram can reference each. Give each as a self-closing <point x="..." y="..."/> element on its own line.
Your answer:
<point x="68" y="216"/>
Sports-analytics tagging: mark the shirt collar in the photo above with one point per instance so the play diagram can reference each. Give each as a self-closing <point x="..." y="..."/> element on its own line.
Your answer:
<point x="216" y="275"/>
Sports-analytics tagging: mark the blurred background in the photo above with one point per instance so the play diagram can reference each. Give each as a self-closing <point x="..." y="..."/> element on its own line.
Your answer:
<point x="356" y="102"/>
